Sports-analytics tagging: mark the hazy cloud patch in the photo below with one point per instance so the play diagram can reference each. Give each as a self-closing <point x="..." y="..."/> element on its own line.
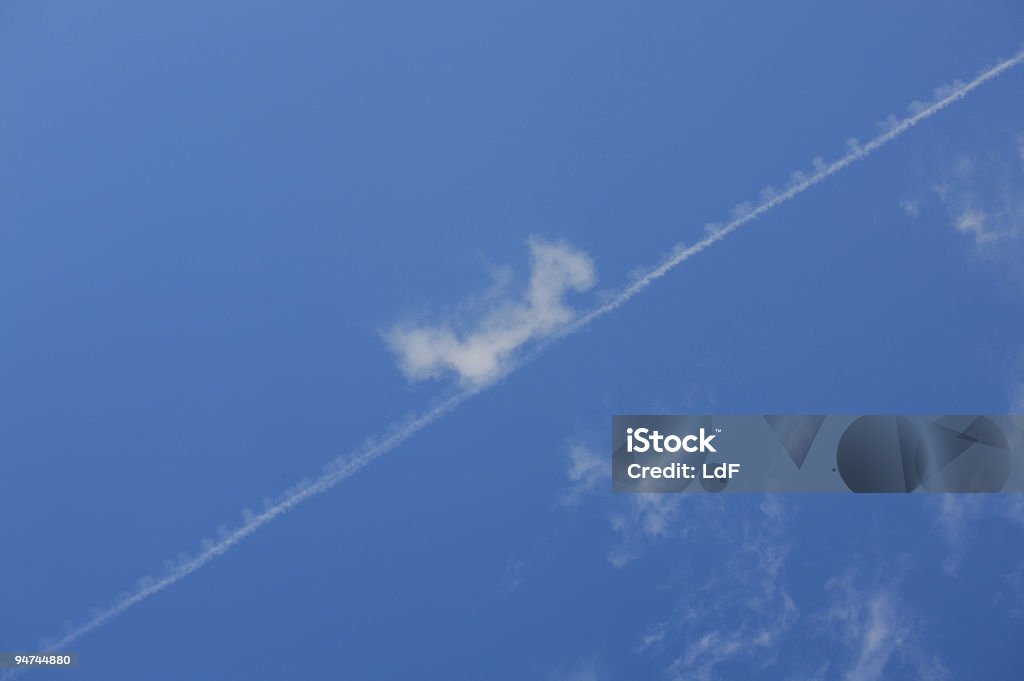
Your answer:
<point x="911" y="208"/>
<point x="751" y="585"/>
<point x="653" y="638"/>
<point x="586" y="470"/>
<point x="956" y="513"/>
<point x="648" y="517"/>
<point x="881" y="632"/>
<point x="980" y="196"/>
<point x="983" y="195"/>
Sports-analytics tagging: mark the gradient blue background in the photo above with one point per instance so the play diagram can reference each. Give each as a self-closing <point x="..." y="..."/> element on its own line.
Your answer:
<point x="209" y="212"/>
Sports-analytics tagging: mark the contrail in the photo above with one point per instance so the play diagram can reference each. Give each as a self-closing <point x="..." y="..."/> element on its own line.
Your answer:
<point x="336" y="472"/>
<point x="682" y="252"/>
<point x="344" y="468"/>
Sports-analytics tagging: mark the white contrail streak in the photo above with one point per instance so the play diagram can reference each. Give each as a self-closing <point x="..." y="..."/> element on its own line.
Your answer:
<point x="337" y="472"/>
<point x="345" y="468"/>
<point x="682" y="252"/>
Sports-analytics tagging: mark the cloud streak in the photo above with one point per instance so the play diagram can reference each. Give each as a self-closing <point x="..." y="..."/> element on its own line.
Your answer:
<point x="344" y="468"/>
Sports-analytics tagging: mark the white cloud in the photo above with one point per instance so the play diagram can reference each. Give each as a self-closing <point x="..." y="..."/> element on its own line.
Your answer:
<point x="984" y="197"/>
<point x="956" y="512"/>
<point x="645" y="517"/>
<point x="751" y="587"/>
<point x="980" y="196"/>
<point x="911" y="208"/>
<point x="975" y="222"/>
<point x="481" y="352"/>
<point x="586" y="470"/>
<point x="653" y="638"/>
<point x="744" y="618"/>
<point x="881" y="632"/>
<point x="650" y="517"/>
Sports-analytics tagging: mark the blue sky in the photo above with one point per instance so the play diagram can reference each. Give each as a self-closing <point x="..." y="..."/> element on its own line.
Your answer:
<point x="213" y="218"/>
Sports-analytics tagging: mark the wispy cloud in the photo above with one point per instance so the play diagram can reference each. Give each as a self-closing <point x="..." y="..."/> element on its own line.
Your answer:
<point x="586" y="471"/>
<point x="480" y="351"/>
<point x="956" y="513"/>
<point x="1013" y="505"/>
<point x="653" y="638"/>
<point x="647" y="517"/>
<point x="981" y="194"/>
<point x="881" y="632"/>
<point x="911" y="208"/>
<point x="743" y="618"/>
<point x="746" y="609"/>
<point x="640" y="519"/>
<point x="984" y="198"/>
